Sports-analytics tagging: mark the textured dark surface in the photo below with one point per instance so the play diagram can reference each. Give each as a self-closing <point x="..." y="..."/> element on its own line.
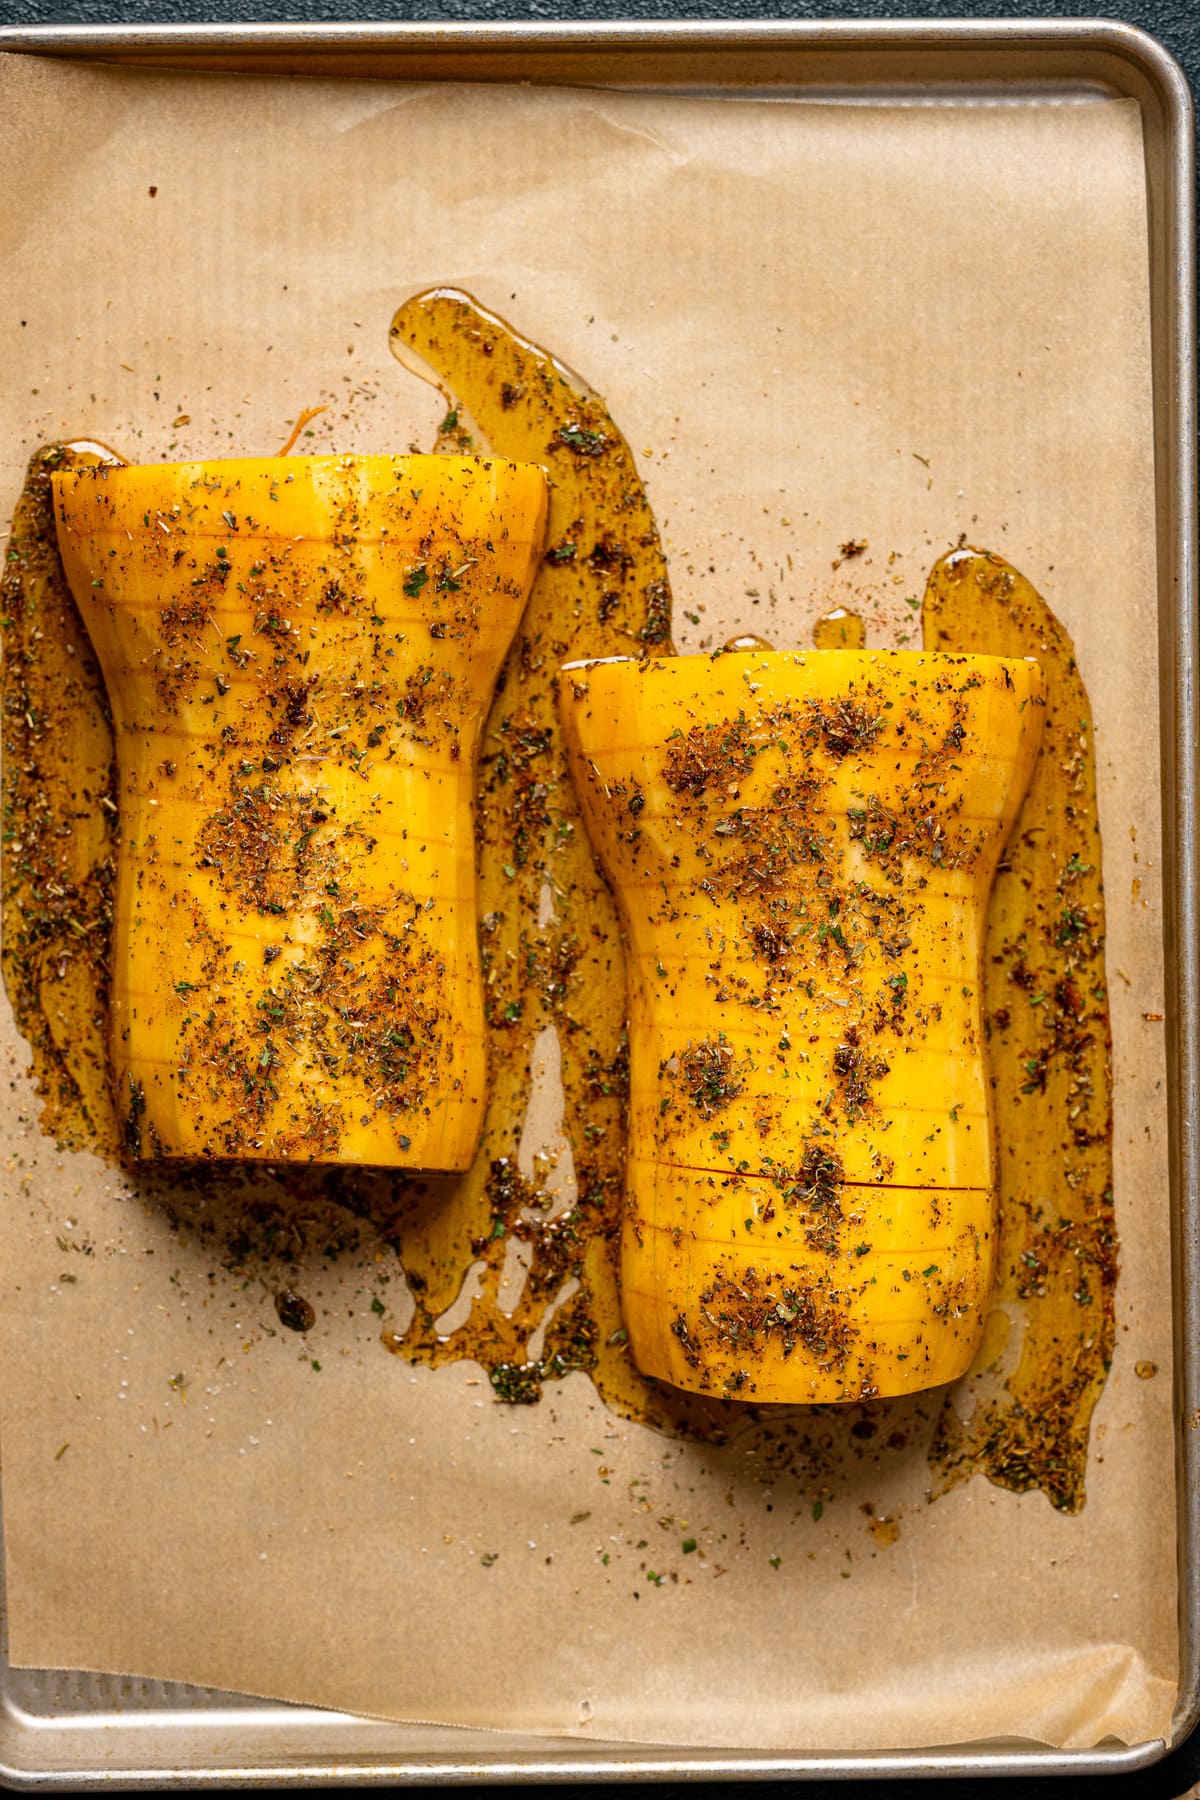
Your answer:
<point x="1177" y="26"/>
<point x="1175" y="22"/>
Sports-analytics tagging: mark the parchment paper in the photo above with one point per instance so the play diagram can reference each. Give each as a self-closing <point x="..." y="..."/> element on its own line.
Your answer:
<point x="814" y="323"/>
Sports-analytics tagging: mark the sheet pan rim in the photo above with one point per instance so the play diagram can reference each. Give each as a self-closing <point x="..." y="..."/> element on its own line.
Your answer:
<point x="1152" y="72"/>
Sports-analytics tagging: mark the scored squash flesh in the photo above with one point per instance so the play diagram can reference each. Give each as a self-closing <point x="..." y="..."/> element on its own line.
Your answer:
<point x="298" y="654"/>
<point x="801" y="847"/>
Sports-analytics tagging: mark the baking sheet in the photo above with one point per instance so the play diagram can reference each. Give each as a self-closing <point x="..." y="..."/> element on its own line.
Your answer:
<point x="783" y="302"/>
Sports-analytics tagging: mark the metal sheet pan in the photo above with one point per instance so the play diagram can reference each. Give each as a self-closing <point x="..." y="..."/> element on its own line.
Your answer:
<point x="63" y="1729"/>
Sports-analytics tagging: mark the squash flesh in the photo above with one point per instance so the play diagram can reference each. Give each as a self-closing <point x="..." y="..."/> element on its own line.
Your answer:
<point x="801" y="848"/>
<point x="298" y="654"/>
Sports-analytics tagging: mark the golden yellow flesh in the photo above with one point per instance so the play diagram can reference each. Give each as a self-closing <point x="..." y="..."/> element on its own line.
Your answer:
<point x="801" y="846"/>
<point x="298" y="654"/>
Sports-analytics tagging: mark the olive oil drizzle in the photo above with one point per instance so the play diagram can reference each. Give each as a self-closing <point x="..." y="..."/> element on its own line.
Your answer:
<point x="747" y="640"/>
<point x="60" y="823"/>
<point x="551" y="947"/>
<point x="1046" y="1012"/>
<point x="839" y="629"/>
<point x="552" y="958"/>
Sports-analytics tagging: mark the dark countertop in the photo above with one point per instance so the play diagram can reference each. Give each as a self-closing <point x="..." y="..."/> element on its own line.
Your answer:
<point x="1176" y="23"/>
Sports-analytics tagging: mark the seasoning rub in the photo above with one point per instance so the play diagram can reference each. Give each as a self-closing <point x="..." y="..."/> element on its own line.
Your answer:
<point x="298" y="655"/>
<point x="801" y="846"/>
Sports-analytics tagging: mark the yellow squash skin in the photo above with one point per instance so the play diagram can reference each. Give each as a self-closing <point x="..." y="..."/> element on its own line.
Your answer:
<point x="298" y="654"/>
<point x="801" y="846"/>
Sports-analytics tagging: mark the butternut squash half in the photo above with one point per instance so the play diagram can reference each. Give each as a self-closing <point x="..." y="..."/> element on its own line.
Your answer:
<point x="801" y="847"/>
<point x="298" y="654"/>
